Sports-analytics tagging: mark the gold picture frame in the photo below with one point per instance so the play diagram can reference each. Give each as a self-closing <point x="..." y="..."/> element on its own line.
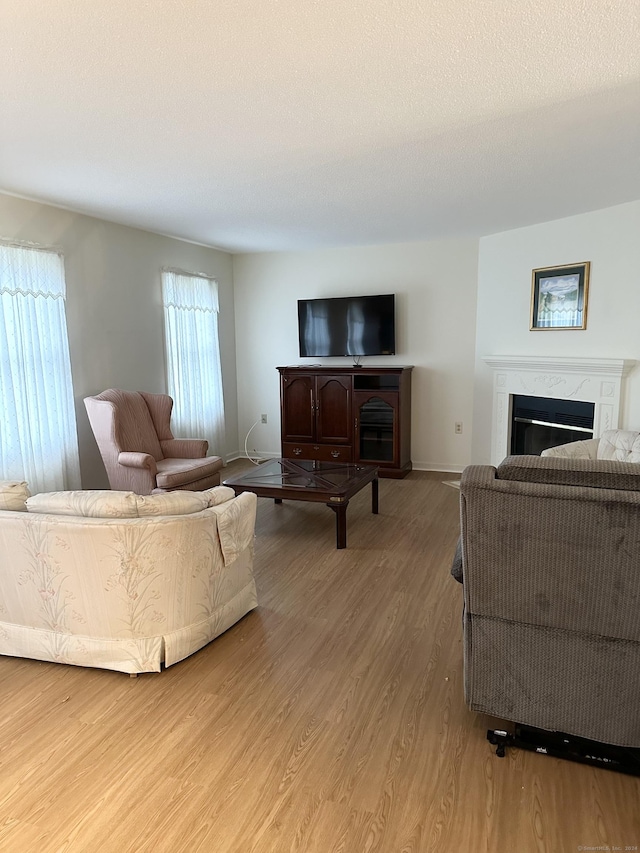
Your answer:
<point x="559" y="297"/>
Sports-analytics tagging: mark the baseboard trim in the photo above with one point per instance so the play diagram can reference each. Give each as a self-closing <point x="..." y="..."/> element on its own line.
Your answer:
<point x="437" y="467"/>
<point x="258" y="454"/>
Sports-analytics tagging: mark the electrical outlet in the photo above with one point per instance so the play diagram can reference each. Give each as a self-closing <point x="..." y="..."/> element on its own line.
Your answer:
<point x="263" y="420"/>
<point x="458" y="427"/>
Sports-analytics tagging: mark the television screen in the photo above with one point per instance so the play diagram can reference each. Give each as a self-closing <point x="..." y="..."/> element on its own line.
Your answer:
<point x="347" y="325"/>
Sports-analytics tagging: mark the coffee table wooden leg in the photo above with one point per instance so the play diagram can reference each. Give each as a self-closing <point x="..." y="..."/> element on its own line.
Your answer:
<point x="341" y="523"/>
<point x="374" y="496"/>
<point x="277" y="500"/>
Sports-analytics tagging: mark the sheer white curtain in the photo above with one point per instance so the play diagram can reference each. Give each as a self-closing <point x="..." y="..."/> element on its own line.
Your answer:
<point x="38" y="436"/>
<point x="194" y="373"/>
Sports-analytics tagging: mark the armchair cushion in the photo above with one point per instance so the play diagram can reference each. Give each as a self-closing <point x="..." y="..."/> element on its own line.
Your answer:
<point x="177" y="473"/>
<point x="136" y="428"/>
<point x="184" y="448"/>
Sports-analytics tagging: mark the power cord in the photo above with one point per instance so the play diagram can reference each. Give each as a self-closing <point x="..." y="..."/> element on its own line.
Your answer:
<point x="246" y="452"/>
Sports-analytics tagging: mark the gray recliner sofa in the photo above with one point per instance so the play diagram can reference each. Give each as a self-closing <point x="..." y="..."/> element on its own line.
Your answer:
<point x="551" y="573"/>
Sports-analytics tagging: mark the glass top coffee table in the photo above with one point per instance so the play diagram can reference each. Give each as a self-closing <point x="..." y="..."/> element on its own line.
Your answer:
<point x="307" y="480"/>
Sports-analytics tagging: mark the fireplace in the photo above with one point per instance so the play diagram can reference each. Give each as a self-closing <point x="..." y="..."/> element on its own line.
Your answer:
<point x="598" y="382"/>
<point x="541" y="422"/>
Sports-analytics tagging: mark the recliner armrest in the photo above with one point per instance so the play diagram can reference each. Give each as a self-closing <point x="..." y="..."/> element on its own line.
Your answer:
<point x="184" y="448"/>
<point x="137" y="460"/>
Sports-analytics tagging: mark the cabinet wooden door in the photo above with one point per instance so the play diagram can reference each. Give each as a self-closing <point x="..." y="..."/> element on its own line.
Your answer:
<point x="298" y="415"/>
<point x="347" y="415"/>
<point x="377" y="430"/>
<point x="334" y="422"/>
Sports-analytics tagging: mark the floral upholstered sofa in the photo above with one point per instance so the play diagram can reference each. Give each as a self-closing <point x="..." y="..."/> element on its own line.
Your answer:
<point x="122" y="581"/>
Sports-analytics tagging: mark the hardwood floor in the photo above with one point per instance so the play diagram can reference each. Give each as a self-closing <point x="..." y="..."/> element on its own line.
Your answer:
<point x="330" y="720"/>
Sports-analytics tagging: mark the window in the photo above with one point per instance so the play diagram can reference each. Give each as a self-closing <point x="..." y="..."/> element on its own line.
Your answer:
<point x="38" y="437"/>
<point x="194" y="374"/>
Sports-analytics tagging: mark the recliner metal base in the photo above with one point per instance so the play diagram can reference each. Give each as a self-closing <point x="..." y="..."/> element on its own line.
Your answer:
<point x="570" y="747"/>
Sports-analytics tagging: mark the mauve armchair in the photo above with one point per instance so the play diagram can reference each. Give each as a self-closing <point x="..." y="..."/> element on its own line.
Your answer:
<point x="140" y="454"/>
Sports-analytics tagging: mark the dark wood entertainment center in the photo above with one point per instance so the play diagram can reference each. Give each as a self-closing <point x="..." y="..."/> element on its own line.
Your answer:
<point x="348" y="414"/>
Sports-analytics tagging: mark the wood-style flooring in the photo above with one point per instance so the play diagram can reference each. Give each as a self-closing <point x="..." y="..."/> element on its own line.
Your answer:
<point x="329" y="720"/>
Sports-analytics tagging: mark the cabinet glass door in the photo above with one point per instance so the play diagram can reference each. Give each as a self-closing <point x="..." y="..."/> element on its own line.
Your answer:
<point x="376" y="430"/>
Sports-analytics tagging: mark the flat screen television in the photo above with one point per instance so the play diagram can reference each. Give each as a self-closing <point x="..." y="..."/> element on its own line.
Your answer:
<point x="347" y="325"/>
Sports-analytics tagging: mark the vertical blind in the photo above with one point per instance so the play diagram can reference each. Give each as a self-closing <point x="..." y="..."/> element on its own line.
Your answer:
<point x="38" y="436"/>
<point x="194" y="373"/>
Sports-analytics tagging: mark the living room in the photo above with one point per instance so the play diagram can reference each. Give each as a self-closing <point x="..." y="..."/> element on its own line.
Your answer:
<point x="457" y="301"/>
<point x="193" y="758"/>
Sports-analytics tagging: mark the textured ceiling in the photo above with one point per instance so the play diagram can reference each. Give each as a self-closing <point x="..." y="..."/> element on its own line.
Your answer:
<point x="286" y="124"/>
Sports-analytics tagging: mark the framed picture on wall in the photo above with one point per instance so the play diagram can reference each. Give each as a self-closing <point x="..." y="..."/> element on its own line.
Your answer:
<point x="559" y="297"/>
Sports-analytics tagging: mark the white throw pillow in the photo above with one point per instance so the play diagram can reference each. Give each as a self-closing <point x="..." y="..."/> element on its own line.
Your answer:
<point x="13" y="494"/>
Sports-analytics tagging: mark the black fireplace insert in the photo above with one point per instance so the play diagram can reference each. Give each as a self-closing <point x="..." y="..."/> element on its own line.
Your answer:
<point x="541" y="422"/>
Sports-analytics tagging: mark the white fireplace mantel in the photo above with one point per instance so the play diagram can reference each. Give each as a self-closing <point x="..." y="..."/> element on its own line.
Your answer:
<point x="595" y="380"/>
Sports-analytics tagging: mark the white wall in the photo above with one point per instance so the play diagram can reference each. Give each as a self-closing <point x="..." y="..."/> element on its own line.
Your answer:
<point x="114" y="307"/>
<point x="435" y="287"/>
<point x="610" y="239"/>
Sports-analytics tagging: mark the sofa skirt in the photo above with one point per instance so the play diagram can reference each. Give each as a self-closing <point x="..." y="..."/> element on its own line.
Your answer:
<point x="131" y="655"/>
